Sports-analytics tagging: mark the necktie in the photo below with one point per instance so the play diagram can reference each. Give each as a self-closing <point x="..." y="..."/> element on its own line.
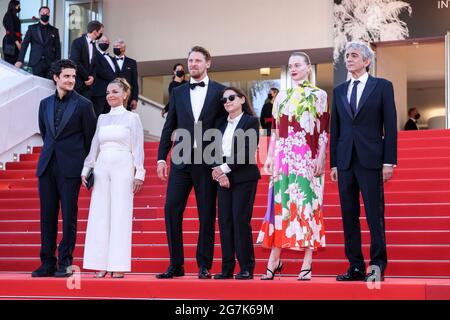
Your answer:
<point x="353" y="96"/>
<point x="195" y="84"/>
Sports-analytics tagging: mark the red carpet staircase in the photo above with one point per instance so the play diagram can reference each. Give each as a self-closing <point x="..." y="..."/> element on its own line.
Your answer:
<point x="417" y="217"/>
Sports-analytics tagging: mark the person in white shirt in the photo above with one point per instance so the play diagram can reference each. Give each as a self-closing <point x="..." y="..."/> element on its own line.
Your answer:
<point x="117" y="158"/>
<point x="238" y="178"/>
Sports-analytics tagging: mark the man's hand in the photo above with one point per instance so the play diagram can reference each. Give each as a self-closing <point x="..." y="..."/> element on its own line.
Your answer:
<point x="137" y="185"/>
<point x="18" y="64"/>
<point x="216" y="173"/>
<point x="334" y="174"/>
<point x="224" y="182"/>
<point x="89" y="81"/>
<point x="388" y="172"/>
<point x="162" y="171"/>
<point x="133" y="104"/>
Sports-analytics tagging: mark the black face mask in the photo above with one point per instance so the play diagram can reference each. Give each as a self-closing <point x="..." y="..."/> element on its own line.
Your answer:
<point x="18" y="10"/>
<point x="180" y="73"/>
<point x="99" y="36"/>
<point x="117" y="51"/>
<point x="45" y="18"/>
<point x="103" y="46"/>
<point x="270" y="96"/>
<point x="417" y="116"/>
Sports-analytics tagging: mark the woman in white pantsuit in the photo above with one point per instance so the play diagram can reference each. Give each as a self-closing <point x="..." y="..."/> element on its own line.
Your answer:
<point x="117" y="158"/>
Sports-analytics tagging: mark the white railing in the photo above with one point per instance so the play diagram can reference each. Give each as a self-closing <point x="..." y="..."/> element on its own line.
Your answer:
<point x="152" y="121"/>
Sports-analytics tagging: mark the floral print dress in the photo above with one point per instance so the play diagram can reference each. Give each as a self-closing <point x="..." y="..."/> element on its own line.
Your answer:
<point x="294" y="216"/>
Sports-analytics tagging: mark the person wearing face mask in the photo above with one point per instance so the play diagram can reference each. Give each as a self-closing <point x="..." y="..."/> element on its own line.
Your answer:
<point x="45" y="45"/>
<point x="296" y="160"/>
<point x="266" y="118"/>
<point x="127" y="70"/>
<point x="411" y="124"/>
<point x="178" y="79"/>
<point x="12" y="41"/>
<point x="106" y="70"/>
<point x="82" y="52"/>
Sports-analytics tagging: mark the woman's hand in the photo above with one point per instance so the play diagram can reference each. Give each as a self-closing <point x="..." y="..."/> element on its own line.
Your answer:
<point x="18" y="45"/>
<point x="137" y="185"/>
<point x="224" y="182"/>
<point x="84" y="181"/>
<point x="268" y="166"/>
<point x="319" y="165"/>
<point x="216" y="173"/>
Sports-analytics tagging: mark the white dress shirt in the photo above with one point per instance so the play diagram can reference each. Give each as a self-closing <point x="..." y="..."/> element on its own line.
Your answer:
<point x="198" y="96"/>
<point x="120" y="62"/>
<point x="227" y="140"/>
<point x="90" y="47"/>
<point x="361" y="85"/>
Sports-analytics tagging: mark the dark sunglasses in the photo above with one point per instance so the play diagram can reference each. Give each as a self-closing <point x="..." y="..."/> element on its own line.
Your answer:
<point x="230" y="98"/>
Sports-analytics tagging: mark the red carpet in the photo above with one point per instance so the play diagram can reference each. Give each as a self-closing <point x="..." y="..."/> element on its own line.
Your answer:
<point x="417" y="224"/>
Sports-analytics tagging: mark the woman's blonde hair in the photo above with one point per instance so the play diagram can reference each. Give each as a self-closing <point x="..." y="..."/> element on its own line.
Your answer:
<point x="126" y="87"/>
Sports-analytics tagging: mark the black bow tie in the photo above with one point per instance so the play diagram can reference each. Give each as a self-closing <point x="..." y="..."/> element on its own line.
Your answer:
<point x="105" y="53"/>
<point x="194" y="84"/>
<point x="92" y="42"/>
<point x="119" y="58"/>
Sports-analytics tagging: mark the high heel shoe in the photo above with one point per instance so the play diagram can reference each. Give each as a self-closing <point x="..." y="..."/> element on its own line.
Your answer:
<point x="117" y="275"/>
<point x="278" y="269"/>
<point x="100" y="274"/>
<point x="305" y="274"/>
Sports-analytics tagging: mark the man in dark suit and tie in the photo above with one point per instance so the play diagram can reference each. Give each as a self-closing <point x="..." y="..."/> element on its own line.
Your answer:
<point x="67" y="125"/>
<point x="363" y="152"/>
<point x="82" y="52"/>
<point x="106" y="70"/>
<point x="194" y="106"/>
<point x="45" y="45"/>
<point x="127" y="70"/>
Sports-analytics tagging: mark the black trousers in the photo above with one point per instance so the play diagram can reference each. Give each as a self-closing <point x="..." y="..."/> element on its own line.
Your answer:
<point x="370" y="183"/>
<point x="55" y="190"/>
<point x="181" y="181"/>
<point x="100" y="105"/>
<point x="42" y="69"/>
<point x="235" y="214"/>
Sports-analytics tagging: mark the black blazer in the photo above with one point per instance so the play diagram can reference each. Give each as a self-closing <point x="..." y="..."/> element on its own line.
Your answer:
<point x="129" y="72"/>
<point x="411" y="125"/>
<point x="79" y="53"/>
<point x="72" y="142"/>
<point x="50" y="49"/>
<point x="180" y="116"/>
<point x="104" y="74"/>
<point x="372" y="131"/>
<point x="11" y="23"/>
<point x="247" y="171"/>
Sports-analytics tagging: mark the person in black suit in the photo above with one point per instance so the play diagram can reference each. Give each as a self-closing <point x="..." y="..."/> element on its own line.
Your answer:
<point x="82" y="52"/>
<point x="411" y="124"/>
<point x="238" y="178"/>
<point x="363" y="152"/>
<point x="67" y="125"/>
<point x="266" y="117"/>
<point x="194" y="108"/>
<point x="106" y="70"/>
<point x="45" y="45"/>
<point x="127" y="70"/>
<point x="12" y="41"/>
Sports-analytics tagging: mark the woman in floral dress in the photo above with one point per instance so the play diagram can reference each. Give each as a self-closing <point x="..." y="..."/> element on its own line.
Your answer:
<point x="296" y="160"/>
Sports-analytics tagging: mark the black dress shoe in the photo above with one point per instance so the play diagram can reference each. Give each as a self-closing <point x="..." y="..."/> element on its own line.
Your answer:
<point x="43" y="271"/>
<point x="244" y="275"/>
<point x="171" y="272"/>
<point x="64" y="272"/>
<point x="353" y="274"/>
<point x="374" y="274"/>
<point x="222" y="276"/>
<point x="203" y="273"/>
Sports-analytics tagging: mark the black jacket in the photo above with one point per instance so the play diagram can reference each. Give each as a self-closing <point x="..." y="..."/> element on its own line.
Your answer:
<point x="79" y="53"/>
<point x="104" y="74"/>
<point x="129" y="72"/>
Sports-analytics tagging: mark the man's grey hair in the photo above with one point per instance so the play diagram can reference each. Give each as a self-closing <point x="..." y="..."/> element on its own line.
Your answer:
<point x="366" y="52"/>
<point x="120" y="42"/>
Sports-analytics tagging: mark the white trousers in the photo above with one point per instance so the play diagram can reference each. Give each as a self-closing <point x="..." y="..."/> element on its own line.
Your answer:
<point x="109" y="229"/>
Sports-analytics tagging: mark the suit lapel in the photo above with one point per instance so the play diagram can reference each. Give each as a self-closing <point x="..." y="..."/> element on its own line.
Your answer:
<point x="39" y="32"/>
<point x="344" y="99"/>
<point x="370" y="85"/>
<point x="187" y="101"/>
<point x="51" y="114"/>
<point x="67" y="113"/>
<point x="208" y="99"/>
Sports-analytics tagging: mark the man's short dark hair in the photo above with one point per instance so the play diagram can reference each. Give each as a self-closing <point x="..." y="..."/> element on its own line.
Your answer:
<point x="94" y="25"/>
<point x="58" y="66"/>
<point x="44" y="7"/>
<point x="275" y="89"/>
<point x="410" y="111"/>
<point x="202" y="50"/>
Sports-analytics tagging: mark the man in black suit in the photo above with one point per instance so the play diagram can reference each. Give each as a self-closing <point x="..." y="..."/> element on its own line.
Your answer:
<point x="67" y="125"/>
<point x="127" y="70"/>
<point x="194" y="107"/>
<point x="106" y="70"/>
<point x="82" y="52"/>
<point x="411" y="124"/>
<point x="45" y="45"/>
<point x="363" y="152"/>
